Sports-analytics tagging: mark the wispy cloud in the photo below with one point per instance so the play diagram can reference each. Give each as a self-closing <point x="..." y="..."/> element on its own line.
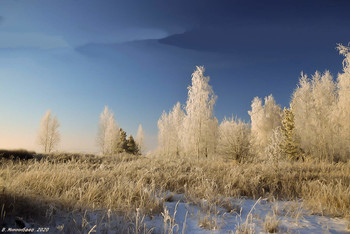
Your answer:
<point x="14" y="40"/>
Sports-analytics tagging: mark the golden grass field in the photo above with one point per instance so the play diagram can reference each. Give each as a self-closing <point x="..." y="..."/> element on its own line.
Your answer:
<point x="37" y="189"/>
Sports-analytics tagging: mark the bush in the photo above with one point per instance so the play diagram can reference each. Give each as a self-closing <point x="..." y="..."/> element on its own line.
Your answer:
<point x="20" y="154"/>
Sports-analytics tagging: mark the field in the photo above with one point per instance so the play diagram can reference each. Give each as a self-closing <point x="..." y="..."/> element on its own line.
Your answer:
<point x="72" y="193"/>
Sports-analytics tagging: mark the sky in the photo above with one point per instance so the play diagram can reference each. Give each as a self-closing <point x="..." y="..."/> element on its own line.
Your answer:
<point x="76" y="56"/>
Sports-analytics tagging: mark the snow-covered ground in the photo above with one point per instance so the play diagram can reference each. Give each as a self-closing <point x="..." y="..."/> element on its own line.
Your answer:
<point x="182" y="216"/>
<point x="248" y="215"/>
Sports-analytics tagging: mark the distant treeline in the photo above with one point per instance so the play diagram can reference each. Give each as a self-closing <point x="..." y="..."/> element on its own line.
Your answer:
<point x="17" y="154"/>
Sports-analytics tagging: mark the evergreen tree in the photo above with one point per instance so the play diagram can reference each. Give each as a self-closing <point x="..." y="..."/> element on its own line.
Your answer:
<point x="132" y="146"/>
<point x="289" y="145"/>
<point x="122" y="144"/>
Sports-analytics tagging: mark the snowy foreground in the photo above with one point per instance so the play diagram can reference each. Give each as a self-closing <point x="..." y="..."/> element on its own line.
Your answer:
<point x="179" y="216"/>
<point x="249" y="215"/>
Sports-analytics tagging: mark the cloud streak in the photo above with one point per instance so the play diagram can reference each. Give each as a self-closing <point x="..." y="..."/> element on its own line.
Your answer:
<point x="15" y="40"/>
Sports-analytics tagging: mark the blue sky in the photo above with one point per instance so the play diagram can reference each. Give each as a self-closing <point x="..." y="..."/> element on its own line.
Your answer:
<point x="76" y="56"/>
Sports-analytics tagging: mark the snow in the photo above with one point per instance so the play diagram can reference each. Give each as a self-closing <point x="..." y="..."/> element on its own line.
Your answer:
<point x="291" y="215"/>
<point x="183" y="216"/>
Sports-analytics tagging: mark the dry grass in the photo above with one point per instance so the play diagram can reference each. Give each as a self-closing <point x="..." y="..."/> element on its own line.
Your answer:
<point x="248" y="226"/>
<point x="125" y="183"/>
<point x="271" y="223"/>
<point x="328" y="199"/>
<point x="208" y="222"/>
<point x="169" y="222"/>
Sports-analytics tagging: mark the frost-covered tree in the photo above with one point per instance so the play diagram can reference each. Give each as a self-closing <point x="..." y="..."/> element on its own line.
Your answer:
<point x="164" y="134"/>
<point x="290" y="143"/>
<point x="199" y="125"/>
<point x="195" y="132"/>
<point x="49" y="136"/>
<point x="169" y="130"/>
<point x="343" y="105"/>
<point x="108" y="136"/>
<point x="264" y="119"/>
<point x="273" y="150"/>
<point x="234" y="139"/>
<point x="140" y="139"/>
<point x="314" y="103"/>
<point x="303" y="108"/>
<point x="176" y="117"/>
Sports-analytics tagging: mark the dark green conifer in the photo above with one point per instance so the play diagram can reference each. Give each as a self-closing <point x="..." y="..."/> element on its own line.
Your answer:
<point x="122" y="144"/>
<point x="132" y="146"/>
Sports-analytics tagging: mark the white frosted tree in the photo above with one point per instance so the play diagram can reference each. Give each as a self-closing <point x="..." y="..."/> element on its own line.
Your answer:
<point x="343" y="105"/>
<point x="108" y="133"/>
<point x="314" y="103"/>
<point x="256" y="118"/>
<point x="264" y="119"/>
<point x="140" y="139"/>
<point x="170" y="127"/>
<point x="163" y="134"/>
<point x="234" y="139"/>
<point x="176" y="117"/>
<point x="302" y="105"/>
<point x="199" y="125"/>
<point x="49" y="136"/>
<point x="274" y="150"/>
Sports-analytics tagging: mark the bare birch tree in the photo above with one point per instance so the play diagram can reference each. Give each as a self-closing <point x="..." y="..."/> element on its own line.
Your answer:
<point x="108" y="133"/>
<point x="49" y="136"/>
<point x="169" y="130"/>
<point x="343" y="105"/>
<point x="200" y="125"/>
<point x="163" y="134"/>
<point x="264" y="119"/>
<point x="234" y="139"/>
<point x="140" y="139"/>
<point x="176" y="117"/>
<point x="314" y="103"/>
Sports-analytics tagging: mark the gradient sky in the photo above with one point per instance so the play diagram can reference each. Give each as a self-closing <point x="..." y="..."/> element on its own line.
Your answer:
<point x="76" y="56"/>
